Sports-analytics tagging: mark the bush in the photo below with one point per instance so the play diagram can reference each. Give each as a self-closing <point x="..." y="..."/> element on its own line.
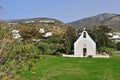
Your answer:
<point x="59" y="53"/>
<point x="89" y="56"/>
<point x="107" y="50"/>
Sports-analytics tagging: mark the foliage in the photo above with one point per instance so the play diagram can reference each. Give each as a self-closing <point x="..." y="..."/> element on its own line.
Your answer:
<point x="43" y="47"/>
<point x="99" y="35"/>
<point x="108" y="50"/>
<point x="3" y="33"/>
<point x="17" y="53"/>
<point x="55" y="39"/>
<point x="118" y="46"/>
<point x="58" y="53"/>
<point x="70" y="37"/>
<point x="28" y="33"/>
<point x="49" y="48"/>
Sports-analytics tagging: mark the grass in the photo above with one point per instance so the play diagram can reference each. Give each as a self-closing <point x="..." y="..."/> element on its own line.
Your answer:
<point x="61" y="68"/>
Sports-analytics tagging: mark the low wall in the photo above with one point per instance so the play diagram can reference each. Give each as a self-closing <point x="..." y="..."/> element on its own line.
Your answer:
<point x="94" y="56"/>
<point x="101" y="56"/>
<point x="70" y="55"/>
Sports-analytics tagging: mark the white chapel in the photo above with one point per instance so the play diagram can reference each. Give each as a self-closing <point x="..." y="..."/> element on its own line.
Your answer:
<point x="84" y="46"/>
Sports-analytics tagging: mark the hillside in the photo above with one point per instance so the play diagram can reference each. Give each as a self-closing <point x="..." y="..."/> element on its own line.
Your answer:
<point x="111" y="20"/>
<point x="50" y="24"/>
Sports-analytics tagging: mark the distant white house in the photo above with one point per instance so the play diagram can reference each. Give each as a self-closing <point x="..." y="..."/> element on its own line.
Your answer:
<point x="15" y="31"/>
<point x="56" y="27"/>
<point x="16" y="34"/>
<point x="110" y="34"/>
<point x="36" y="40"/>
<point x="114" y="36"/>
<point x="48" y="34"/>
<point x="41" y="30"/>
<point x="84" y="47"/>
<point x="29" y="21"/>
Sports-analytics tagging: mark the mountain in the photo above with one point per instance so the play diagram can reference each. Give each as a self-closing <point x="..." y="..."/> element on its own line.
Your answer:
<point x="111" y="20"/>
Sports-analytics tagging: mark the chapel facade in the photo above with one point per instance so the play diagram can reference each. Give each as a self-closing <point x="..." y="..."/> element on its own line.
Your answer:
<point x="84" y="45"/>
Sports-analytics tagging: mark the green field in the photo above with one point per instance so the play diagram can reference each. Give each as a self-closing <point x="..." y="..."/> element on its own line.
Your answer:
<point x="60" y="68"/>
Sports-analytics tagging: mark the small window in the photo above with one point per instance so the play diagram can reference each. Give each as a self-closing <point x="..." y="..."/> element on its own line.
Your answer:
<point x="84" y="34"/>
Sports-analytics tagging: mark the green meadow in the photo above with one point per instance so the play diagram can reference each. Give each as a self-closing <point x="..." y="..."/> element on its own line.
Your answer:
<point x="62" y="68"/>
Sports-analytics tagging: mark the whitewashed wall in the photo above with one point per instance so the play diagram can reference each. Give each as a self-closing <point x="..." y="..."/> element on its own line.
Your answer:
<point x="84" y="43"/>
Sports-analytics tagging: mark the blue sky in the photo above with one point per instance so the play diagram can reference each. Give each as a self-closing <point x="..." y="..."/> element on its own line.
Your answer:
<point x="64" y="10"/>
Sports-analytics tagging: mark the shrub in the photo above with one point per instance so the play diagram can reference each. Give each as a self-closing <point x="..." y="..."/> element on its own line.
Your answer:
<point x="59" y="53"/>
<point x="89" y="56"/>
<point x="108" y="50"/>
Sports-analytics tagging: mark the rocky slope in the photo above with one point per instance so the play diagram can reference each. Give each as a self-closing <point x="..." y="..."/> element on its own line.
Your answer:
<point x="111" y="20"/>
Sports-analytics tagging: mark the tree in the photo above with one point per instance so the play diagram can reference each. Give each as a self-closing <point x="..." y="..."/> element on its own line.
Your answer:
<point x="118" y="46"/>
<point x="70" y="37"/>
<point x="99" y="35"/>
<point x="43" y="47"/>
<point x="28" y="33"/>
<point x="14" y="52"/>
